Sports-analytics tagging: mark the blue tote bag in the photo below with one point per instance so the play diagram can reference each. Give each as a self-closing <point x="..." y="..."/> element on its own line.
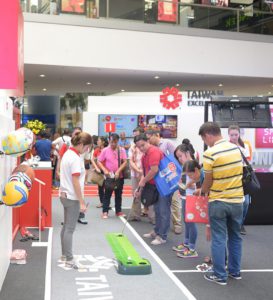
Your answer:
<point x="168" y="176"/>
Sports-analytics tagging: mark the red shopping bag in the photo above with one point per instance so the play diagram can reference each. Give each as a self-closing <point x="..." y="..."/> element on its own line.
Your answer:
<point x="197" y="209"/>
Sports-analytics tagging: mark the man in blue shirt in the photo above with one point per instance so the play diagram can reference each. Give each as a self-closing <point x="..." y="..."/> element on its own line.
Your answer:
<point x="43" y="147"/>
<point x="123" y="142"/>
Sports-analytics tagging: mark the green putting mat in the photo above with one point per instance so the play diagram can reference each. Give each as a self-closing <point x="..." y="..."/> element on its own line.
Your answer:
<point x="129" y="261"/>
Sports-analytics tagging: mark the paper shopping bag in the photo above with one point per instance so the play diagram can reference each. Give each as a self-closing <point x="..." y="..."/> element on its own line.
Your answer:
<point x="196" y="209"/>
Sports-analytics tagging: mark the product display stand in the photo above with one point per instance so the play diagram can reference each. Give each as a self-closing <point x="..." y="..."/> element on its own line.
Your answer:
<point x="40" y="243"/>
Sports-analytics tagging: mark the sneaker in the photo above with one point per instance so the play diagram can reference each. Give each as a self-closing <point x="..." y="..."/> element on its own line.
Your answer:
<point x="180" y="248"/>
<point x="215" y="279"/>
<point x="235" y="276"/>
<point x="158" y="241"/>
<point x="82" y="221"/>
<point x="187" y="253"/>
<point x="104" y="215"/>
<point x="150" y="235"/>
<point x="71" y="264"/>
<point x="120" y="214"/>
<point x="243" y="230"/>
<point x="62" y="259"/>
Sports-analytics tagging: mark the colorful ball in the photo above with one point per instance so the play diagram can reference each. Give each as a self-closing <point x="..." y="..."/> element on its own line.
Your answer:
<point x="18" y="142"/>
<point x="15" y="194"/>
<point x="25" y="169"/>
<point x="21" y="177"/>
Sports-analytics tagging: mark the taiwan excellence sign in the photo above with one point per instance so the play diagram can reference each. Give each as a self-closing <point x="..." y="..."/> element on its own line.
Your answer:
<point x="264" y="136"/>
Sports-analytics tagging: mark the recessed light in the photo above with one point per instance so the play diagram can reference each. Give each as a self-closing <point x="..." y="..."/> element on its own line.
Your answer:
<point x="177" y="84"/>
<point x="269" y="93"/>
<point x="44" y="89"/>
<point x="220" y="84"/>
<point x="42" y="75"/>
<point x="234" y="95"/>
<point x="88" y="83"/>
<point x="122" y="90"/>
<point x="156" y="77"/>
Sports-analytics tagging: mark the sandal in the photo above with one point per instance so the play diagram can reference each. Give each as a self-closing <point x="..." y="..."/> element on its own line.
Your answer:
<point x="207" y="260"/>
<point x="99" y="205"/>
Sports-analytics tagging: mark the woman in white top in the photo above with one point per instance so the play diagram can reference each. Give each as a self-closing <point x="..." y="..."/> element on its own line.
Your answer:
<point x="71" y="191"/>
<point x="234" y="138"/>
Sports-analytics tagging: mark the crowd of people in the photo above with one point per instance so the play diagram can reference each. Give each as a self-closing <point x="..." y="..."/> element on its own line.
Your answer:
<point x="219" y="177"/>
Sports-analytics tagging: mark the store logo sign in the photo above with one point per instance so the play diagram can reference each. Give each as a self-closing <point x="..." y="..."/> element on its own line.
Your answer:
<point x="170" y="98"/>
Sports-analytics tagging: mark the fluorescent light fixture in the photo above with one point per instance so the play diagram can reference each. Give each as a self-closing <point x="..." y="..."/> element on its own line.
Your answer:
<point x="156" y="77"/>
<point x="42" y="75"/>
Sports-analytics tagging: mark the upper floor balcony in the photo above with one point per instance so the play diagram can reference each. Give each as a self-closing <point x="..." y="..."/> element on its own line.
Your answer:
<point x="224" y="15"/>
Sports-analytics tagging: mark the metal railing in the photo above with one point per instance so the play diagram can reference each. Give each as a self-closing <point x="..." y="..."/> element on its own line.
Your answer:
<point x="239" y="19"/>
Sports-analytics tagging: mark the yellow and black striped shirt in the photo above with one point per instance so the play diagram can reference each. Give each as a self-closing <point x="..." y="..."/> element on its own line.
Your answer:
<point x="224" y="161"/>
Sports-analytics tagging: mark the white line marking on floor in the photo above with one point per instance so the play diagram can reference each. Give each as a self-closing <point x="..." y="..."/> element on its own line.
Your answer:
<point x="48" y="266"/>
<point x="243" y="271"/>
<point x="178" y="283"/>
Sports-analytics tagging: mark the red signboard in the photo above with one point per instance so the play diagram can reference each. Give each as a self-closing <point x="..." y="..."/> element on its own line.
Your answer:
<point x="110" y="127"/>
<point x="264" y="136"/>
<point x="11" y="49"/>
<point x="170" y="98"/>
<point x="167" y="11"/>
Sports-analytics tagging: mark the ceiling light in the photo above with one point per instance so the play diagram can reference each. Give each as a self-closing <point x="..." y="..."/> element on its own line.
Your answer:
<point x="269" y="93"/>
<point x="220" y="84"/>
<point x="234" y="95"/>
<point x="44" y="89"/>
<point x="42" y="75"/>
<point x="88" y="83"/>
<point x="122" y="90"/>
<point x="156" y="77"/>
<point x="177" y="84"/>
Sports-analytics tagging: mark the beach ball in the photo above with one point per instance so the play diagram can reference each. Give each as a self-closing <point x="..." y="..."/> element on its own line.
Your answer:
<point x="21" y="177"/>
<point x="15" y="194"/>
<point x="17" y="142"/>
<point x="25" y="169"/>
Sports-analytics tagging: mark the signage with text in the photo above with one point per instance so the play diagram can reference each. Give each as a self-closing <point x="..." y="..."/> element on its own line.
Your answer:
<point x="264" y="136"/>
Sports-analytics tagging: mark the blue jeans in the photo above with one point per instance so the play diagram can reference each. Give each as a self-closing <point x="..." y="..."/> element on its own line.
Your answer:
<point x="190" y="229"/>
<point x="225" y="223"/>
<point x="162" y="210"/>
<point x="245" y="207"/>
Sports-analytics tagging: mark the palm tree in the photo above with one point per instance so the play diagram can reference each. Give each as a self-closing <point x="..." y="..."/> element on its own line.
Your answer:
<point x="75" y="100"/>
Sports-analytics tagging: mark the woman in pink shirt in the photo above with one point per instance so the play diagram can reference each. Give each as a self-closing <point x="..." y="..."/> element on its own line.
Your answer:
<point x="112" y="161"/>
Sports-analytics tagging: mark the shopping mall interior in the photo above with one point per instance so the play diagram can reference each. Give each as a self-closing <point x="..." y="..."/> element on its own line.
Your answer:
<point x="169" y="65"/>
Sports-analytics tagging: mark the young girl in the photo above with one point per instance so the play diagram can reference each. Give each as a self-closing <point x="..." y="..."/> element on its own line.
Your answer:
<point x="186" y="249"/>
<point x="72" y="192"/>
<point x="234" y="137"/>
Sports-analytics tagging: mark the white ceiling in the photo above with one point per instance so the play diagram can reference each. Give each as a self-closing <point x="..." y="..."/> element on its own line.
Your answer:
<point x="60" y="80"/>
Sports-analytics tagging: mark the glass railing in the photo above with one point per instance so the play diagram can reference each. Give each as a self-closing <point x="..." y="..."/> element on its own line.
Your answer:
<point x="212" y="15"/>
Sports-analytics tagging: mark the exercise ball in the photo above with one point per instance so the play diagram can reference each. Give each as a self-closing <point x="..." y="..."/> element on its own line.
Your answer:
<point x="15" y="194"/>
<point x="21" y="177"/>
<point x="25" y="169"/>
<point x="18" y="142"/>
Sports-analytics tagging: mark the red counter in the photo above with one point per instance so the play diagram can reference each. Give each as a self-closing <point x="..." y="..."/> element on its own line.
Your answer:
<point x="29" y="213"/>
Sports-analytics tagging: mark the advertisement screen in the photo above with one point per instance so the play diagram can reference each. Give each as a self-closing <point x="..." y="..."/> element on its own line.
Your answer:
<point x="123" y="123"/>
<point x="165" y="124"/>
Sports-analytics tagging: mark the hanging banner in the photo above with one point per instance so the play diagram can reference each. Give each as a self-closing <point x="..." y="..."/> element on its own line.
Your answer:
<point x="167" y="11"/>
<point x="11" y="49"/>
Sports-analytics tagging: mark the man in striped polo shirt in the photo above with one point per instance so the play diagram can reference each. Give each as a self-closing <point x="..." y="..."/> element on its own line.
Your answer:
<point x="223" y="168"/>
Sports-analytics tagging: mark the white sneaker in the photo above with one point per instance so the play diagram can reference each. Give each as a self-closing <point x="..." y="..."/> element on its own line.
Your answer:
<point x="158" y="241"/>
<point x="150" y="235"/>
<point x="62" y="259"/>
<point x="72" y="264"/>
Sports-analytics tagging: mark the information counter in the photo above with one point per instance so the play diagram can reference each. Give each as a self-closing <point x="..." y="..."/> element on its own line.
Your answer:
<point x="261" y="208"/>
<point x="29" y="213"/>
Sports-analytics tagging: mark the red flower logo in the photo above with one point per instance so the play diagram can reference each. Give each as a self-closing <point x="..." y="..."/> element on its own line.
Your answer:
<point x="171" y="98"/>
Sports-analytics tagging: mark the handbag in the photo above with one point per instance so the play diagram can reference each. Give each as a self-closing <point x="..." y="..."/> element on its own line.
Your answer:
<point x="96" y="178"/>
<point x="149" y="195"/>
<point x="112" y="184"/>
<point x="196" y="209"/>
<point x="126" y="172"/>
<point x="168" y="176"/>
<point x="251" y="184"/>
